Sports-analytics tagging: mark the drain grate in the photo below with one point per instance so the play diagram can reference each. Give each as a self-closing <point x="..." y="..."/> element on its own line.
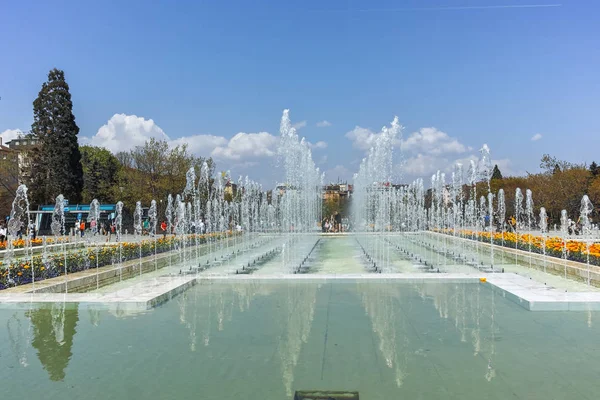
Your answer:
<point x="325" y="395"/>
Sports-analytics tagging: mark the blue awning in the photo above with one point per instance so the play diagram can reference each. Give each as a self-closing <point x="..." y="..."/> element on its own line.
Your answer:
<point x="80" y="208"/>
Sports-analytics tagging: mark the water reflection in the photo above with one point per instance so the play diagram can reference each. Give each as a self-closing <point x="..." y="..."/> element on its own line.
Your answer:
<point x="295" y="316"/>
<point x="210" y="309"/>
<point x="463" y="304"/>
<point x="94" y="316"/>
<point x="201" y="306"/>
<point x="53" y="331"/>
<point x="19" y="338"/>
<point x="382" y="306"/>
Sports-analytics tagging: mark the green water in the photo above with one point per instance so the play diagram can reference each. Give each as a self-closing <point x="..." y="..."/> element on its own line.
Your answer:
<point x="264" y="340"/>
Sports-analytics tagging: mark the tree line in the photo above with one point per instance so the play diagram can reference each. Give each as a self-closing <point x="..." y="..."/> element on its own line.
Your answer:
<point x="83" y="173"/>
<point x="560" y="185"/>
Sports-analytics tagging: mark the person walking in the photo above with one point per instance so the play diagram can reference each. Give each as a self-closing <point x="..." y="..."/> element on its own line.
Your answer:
<point x="163" y="228"/>
<point x="338" y="222"/>
<point x="112" y="230"/>
<point x="32" y="230"/>
<point x="82" y="227"/>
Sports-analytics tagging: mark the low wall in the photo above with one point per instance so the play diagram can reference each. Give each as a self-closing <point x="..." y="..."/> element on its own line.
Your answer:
<point x="90" y="279"/>
<point x="556" y="266"/>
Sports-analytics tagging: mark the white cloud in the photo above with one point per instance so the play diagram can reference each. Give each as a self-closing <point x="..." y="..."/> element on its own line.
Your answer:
<point x="299" y="125"/>
<point x="432" y="141"/>
<point x="362" y="138"/>
<point x="247" y="145"/>
<point x="323" y="124"/>
<point x="422" y="165"/>
<point x="536" y="137"/>
<point x="124" y="132"/>
<point x="424" y="151"/>
<point x="322" y="160"/>
<point x="318" y="145"/>
<point x="201" y="145"/>
<point x="10" y="134"/>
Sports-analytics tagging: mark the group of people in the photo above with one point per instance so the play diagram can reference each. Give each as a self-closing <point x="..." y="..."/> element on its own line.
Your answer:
<point x="332" y="224"/>
<point x="30" y="230"/>
<point x="201" y="228"/>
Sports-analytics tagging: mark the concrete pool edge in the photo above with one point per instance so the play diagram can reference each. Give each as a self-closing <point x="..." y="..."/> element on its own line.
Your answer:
<point x="146" y="295"/>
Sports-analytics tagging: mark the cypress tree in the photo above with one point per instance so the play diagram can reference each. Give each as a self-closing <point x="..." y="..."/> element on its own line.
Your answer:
<point x="496" y="174"/>
<point x="594" y="168"/>
<point x="56" y="163"/>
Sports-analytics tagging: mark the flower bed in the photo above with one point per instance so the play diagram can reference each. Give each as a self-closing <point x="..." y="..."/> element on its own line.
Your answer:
<point x="21" y="243"/>
<point x="22" y="270"/>
<point x="575" y="250"/>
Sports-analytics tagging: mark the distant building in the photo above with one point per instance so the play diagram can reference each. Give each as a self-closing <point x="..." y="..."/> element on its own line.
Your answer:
<point x="24" y="145"/>
<point x="230" y="189"/>
<point x="337" y="191"/>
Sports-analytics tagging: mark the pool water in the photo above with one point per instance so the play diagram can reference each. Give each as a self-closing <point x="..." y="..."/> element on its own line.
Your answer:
<point x="260" y="339"/>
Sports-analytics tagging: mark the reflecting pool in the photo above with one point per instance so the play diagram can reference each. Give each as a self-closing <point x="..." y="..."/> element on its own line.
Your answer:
<point x="265" y="339"/>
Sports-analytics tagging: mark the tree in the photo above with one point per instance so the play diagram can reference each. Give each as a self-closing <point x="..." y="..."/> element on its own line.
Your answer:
<point x="54" y="347"/>
<point x="153" y="171"/>
<point x="56" y="164"/>
<point x="594" y="169"/>
<point x="496" y="174"/>
<point x="556" y="170"/>
<point x="9" y="179"/>
<point x="100" y="174"/>
<point x="550" y="164"/>
<point x="594" y="191"/>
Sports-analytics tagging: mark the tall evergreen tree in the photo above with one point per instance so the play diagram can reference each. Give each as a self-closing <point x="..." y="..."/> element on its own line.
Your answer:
<point x="56" y="165"/>
<point x="594" y="168"/>
<point x="496" y="174"/>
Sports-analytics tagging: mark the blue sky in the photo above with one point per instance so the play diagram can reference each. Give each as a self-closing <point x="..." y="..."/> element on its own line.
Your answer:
<point x="476" y="71"/>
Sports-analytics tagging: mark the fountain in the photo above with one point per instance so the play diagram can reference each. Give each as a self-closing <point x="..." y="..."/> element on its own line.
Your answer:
<point x="586" y="228"/>
<point x="137" y="226"/>
<point x="544" y="228"/>
<point x="119" y="228"/>
<point x="530" y="218"/>
<point x="502" y="216"/>
<point x="564" y="230"/>
<point x="152" y="215"/>
<point x="20" y="210"/>
<point x="518" y="215"/>
<point x="224" y="227"/>
<point x="94" y="219"/>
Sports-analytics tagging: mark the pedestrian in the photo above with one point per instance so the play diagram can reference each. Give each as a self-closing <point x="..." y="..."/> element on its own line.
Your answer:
<point x="163" y="228"/>
<point x="32" y="230"/>
<point x="112" y="230"/>
<point x="338" y="221"/>
<point x="82" y="227"/>
<point x="93" y="226"/>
